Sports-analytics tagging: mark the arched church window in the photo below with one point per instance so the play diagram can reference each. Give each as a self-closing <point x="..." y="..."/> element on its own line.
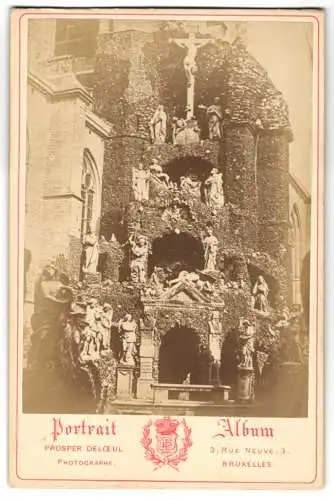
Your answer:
<point x="88" y="192"/>
<point x="296" y="254"/>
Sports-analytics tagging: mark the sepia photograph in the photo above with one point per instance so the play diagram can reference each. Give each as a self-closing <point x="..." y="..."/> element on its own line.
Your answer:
<point x="167" y="216"/>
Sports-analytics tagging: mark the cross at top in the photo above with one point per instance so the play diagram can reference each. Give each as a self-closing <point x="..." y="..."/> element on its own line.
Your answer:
<point x="192" y="44"/>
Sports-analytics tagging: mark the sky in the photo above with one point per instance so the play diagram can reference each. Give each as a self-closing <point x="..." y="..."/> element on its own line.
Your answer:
<point x="285" y="52"/>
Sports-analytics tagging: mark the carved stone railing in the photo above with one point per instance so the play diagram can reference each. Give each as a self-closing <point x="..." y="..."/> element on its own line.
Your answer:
<point x="69" y="64"/>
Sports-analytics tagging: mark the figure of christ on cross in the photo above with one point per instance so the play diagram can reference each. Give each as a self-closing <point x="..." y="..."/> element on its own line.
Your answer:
<point x="192" y="44"/>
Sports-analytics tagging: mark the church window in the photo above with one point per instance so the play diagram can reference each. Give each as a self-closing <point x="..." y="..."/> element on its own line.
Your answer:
<point x="296" y="254"/>
<point x="88" y="191"/>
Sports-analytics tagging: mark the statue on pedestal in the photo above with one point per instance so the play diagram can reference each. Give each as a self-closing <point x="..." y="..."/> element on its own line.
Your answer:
<point x="214" y="193"/>
<point x="91" y="252"/>
<point x="210" y="244"/>
<point x="138" y="264"/>
<point x="158" y="126"/>
<point x="246" y="373"/>
<point x="128" y="331"/>
<point x="140" y="183"/>
<point x="260" y="294"/>
<point x="246" y="345"/>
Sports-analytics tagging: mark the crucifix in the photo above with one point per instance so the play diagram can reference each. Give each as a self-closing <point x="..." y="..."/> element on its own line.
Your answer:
<point x="192" y="44"/>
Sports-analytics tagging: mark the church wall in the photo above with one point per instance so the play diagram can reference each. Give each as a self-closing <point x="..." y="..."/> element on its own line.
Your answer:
<point x="304" y="211"/>
<point x="63" y="216"/>
<point x="62" y="189"/>
<point x="66" y="143"/>
<point x="38" y="152"/>
<point x="55" y="176"/>
<point x="41" y="41"/>
<point x="299" y="212"/>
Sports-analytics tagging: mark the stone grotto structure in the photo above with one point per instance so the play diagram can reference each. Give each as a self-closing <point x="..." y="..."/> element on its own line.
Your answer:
<point x="205" y="333"/>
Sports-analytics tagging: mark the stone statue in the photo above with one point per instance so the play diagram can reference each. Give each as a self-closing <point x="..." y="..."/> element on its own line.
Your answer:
<point x="260" y="294"/>
<point x="138" y="265"/>
<point x="214" y="117"/>
<point x="140" y="183"/>
<point x="157" y="171"/>
<point x="157" y="279"/>
<point x="128" y="332"/>
<point x="106" y="322"/>
<point x="185" y="131"/>
<point x="158" y="126"/>
<point x="179" y="126"/>
<point x="191" y="44"/>
<point x="246" y="345"/>
<point x="94" y="330"/>
<point x="210" y="244"/>
<point x="92" y="306"/>
<point x="48" y="322"/>
<point x="214" y="193"/>
<point x="188" y="277"/>
<point x="91" y="252"/>
<point x="82" y="347"/>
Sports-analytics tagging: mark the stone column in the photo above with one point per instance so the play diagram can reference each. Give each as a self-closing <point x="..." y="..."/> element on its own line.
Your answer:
<point x="146" y="360"/>
<point x="215" y="345"/>
<point x="273" y="186"/>
<point x="239" y="157"/>
<point x="245" y="384"/>
<point x="273" y="200"/>
<point x="125" y="377"/>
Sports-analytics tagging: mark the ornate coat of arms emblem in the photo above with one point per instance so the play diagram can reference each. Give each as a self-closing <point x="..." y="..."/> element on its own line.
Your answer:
<point x="166" y="442"/>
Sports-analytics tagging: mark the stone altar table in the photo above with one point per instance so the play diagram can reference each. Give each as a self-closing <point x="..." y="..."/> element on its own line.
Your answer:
<point x="161" y="392"/>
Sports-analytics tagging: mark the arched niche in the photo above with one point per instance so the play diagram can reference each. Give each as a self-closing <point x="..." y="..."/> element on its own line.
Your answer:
<point x="273" y="284"/>
<point x="176" y="251"/>
<point x="179" y="355"/>
<point x="194" y="168"/>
